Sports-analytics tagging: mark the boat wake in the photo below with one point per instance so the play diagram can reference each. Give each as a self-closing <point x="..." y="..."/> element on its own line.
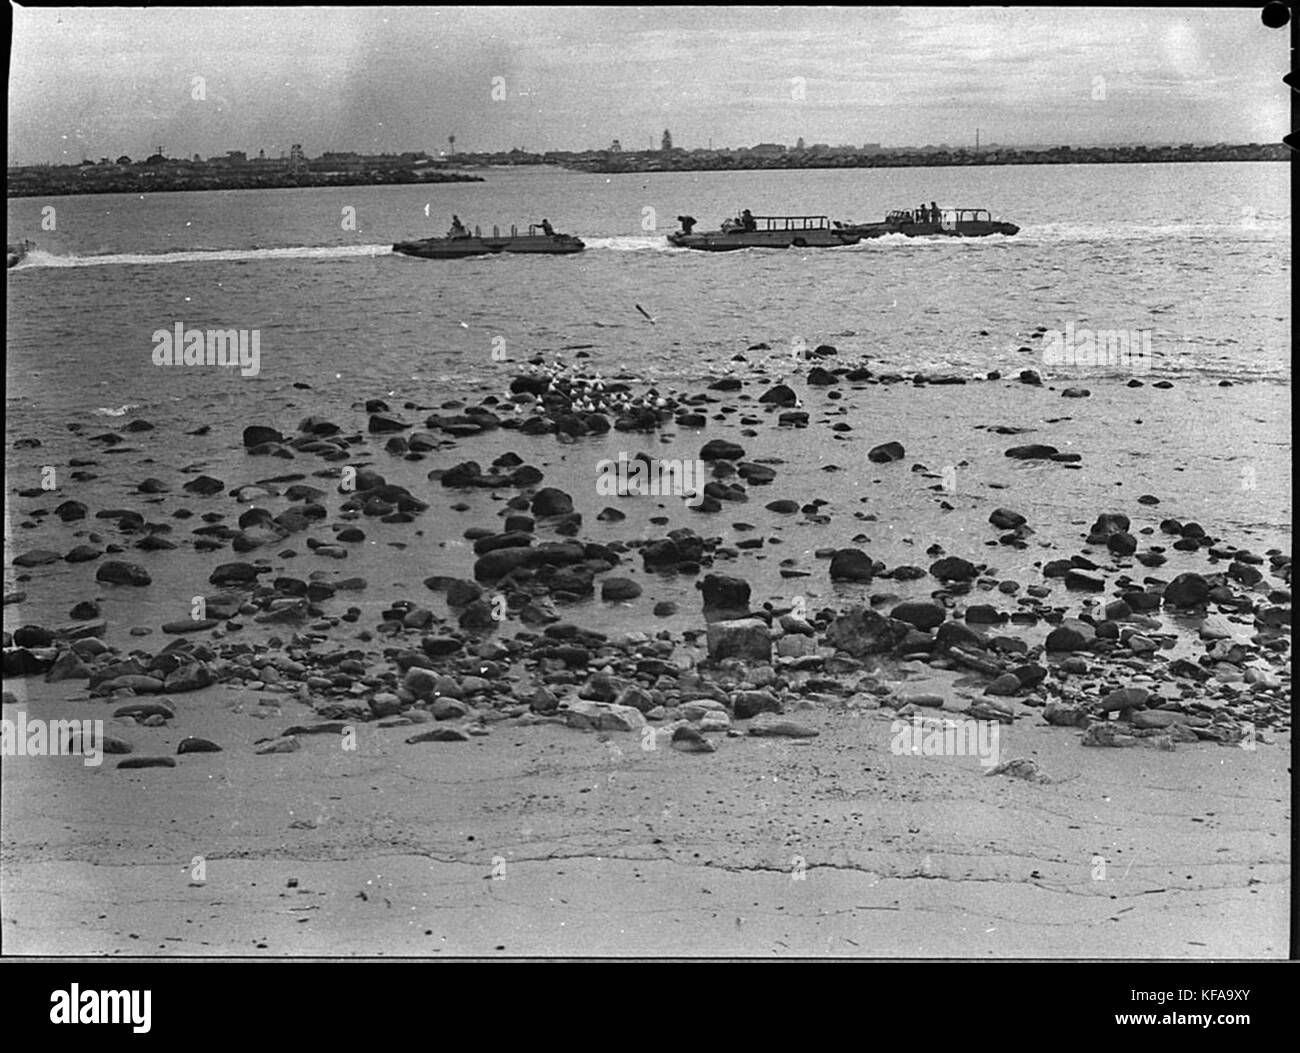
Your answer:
<point x="641" y="243"/>
<point x="1045" y="234"/>
<point x="40" y="258"/>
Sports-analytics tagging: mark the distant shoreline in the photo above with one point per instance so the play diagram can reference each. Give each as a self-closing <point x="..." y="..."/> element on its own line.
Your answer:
<point x="713" y="162"/>
<point x="71" y="182"/>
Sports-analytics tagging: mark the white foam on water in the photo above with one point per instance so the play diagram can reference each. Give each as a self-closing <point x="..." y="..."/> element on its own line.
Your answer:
<point x="121" y="411"/>
<point x="40" y="258"/>
<point x="637" y="243"/>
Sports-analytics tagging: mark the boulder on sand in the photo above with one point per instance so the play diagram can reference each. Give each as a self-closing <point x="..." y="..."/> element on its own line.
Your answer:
<point x="852" y="564"/>
<point x="886" y="452"/>
<point x="924" y="614"/>
<point x="1070" y="635"/>
<point x="725" y="598"/>
<point x="861" y="631"/>
<point x="1187" y="590"/>
<point x="257" y="434"/>
<point x="116" y="572"/>
<point x="745" y="638"/>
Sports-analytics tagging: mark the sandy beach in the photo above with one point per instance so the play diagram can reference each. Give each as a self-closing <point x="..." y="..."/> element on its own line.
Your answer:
<point x="541" y="840"/>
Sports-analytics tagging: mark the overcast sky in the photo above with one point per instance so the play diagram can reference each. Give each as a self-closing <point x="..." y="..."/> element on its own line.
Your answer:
<point x="102" y="82"/>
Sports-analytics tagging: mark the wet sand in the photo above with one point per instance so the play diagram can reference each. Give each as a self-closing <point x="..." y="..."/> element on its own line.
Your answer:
<point x="532" y="837"/>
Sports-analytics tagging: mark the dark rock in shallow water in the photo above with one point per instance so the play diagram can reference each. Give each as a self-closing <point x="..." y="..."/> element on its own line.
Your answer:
<point x="69" y="511"/>
<point x="204" y="486"/>
<point x="192" y="744"/>
<point x="819" y="377"/>
<point x="381" y="423"/>
<point x="1004" y="519"/>
<point x="551" y="502"/>
<point x="498" y="564"/>
<point x="257" y="434"/>
<point x="1030" y="675"/>
<point x="755" y="474"/>
<point x="1125" y="698"/>
<point x="619" y="589"/>
<point x="439" y="646"/>
<point x="721" y="450"/>
<point x="190" y="625"/>
<point x="1107" y="523"/>
<point x="852" y="564"/>
<point x="236" y="574"/>
<point x="781" y="395"/>
<point x="1077" y="579"/>
<point x="886" y="452"/>
<point x="313" y="426"/>
<point x="37" y="557"/>
<point x="725" y="598"/>
<point x="1187" y="590"/>
<point x="954" y="568"/>
<point x="1122" y="544"/>
<point x="147" y="762"/>
<point x="18" y="661"/>
<point x="33" y="636"/>
<point x="116" y="572"/>
<point x="1032" y="452"/>
<point x="479" y="614"/>
<point x="461" y="593"/>
<point x="861" y="631"/>
<point x="920" y="613"/>
<point x="1070" y="635"/>
<point x="496" y="542"/>
<point x="530" y="384"/>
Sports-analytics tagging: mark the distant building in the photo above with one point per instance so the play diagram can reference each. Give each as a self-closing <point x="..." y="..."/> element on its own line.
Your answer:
<point x="615" y="147"/>
<point x="768" y="149"/>
<point x="667" y="146"/>
<point x="799" y="144"/>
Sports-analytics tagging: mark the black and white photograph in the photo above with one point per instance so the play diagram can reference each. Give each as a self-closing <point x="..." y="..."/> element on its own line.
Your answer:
<point x="638" y="483"/>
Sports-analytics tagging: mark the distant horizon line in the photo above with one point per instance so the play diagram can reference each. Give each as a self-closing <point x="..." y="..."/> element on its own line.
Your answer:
<point x="983" y="147"/>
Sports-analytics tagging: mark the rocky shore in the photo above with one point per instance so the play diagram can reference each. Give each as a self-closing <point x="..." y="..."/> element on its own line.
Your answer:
<point x="1092" y="640"/>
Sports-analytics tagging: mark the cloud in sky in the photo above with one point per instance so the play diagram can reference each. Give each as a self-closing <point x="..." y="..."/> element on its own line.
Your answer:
<point x="100" y="82"/>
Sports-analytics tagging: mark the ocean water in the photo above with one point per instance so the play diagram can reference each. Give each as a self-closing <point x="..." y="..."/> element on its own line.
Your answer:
<point x="1197" y="254"/>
